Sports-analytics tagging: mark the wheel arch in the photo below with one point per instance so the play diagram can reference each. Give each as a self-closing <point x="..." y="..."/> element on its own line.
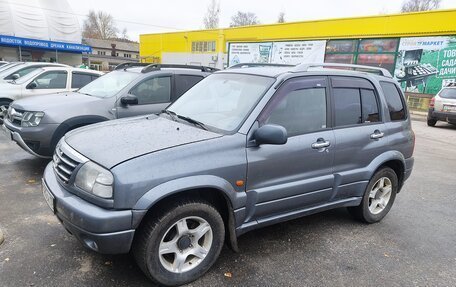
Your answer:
<point x="399" y="168"/>
<point x="4" y="99"/>
<point x="220" y="196"/>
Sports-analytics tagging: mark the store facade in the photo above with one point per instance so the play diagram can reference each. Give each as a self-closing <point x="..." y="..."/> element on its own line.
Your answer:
<point x="40" y="30"/>
<point x="419" y="49"/>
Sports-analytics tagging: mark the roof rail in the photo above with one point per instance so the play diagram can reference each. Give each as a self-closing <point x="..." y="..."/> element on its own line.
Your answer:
<point x="376" y="70"/>
<point x="155" y="67"/>
<point x="250" y="65"/>
<point x="124" y="66"/>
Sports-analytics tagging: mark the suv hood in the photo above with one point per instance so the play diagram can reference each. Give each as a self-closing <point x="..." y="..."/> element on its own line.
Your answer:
<point x="53" y="101"/>
<point x="113" y="142"/>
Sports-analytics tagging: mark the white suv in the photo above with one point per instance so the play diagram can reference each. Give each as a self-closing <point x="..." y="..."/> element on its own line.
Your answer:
<point x="443" y="107"/>
<point x="46" y="80"/>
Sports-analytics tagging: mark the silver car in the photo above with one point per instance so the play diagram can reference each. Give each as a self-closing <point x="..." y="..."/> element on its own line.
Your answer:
<point x="443" y="107"/>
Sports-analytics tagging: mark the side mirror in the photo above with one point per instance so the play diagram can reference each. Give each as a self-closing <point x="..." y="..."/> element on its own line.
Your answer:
<point x="32" y="85"/>
<point x="15" y="76"/>
<point x="271" y="134"/>
<point x="129" y="100"/>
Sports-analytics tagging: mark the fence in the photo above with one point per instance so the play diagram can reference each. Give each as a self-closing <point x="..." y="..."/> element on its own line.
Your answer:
<point x="418" y="102"/>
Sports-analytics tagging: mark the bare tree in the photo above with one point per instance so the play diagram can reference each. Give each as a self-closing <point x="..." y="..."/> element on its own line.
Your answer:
<point x="212" y="18"/>
<point x="281" y="18"/>
<point x="124" y="34"/>
<point x="99" y="25"/>
<point x="244" y="19"/>
<point x="419" y="5"/>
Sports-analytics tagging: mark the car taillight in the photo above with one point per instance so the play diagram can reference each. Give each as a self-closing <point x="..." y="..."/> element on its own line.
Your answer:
<point x="432" y="102"/>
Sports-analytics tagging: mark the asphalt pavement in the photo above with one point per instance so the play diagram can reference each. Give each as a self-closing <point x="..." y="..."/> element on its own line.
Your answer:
<point x="413" y="246"/>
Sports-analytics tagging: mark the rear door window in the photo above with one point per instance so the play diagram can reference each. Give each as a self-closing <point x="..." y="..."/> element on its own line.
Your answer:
<point x="79" y="80"/>
<point x="185" y="82"/>
<point x="355" y="101"/>
<point x="394" y="100"/>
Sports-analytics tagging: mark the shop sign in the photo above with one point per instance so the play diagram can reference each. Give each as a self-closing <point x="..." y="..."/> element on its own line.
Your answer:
<point x="426" y="64"/>
<point x="41" y="44"/>
<point x="292" y="52"/>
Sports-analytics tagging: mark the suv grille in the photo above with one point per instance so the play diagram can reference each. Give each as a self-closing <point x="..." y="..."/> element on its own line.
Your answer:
<point x="63" y="164"/>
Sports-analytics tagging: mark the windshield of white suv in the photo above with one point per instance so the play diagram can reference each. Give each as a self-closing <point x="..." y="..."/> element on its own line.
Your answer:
<point x="109" y="84"/>
<point x="222" y="101"/>
<point x="448" y="93"/>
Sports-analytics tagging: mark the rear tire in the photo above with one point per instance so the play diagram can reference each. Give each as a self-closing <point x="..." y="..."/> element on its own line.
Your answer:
<point x="181" y="244"/>
<point x="431" y="122"/>
<point x="378" y="197"/>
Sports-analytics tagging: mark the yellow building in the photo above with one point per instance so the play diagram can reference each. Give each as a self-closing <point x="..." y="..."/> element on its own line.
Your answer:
<point x="419" y="48"/>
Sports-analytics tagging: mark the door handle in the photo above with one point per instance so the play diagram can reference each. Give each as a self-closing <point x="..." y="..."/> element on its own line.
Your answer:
<point x="377" y="135"/>
<point x="321" y="143"/>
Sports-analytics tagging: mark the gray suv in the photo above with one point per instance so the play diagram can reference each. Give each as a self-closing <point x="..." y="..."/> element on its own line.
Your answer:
<point x="37" y="123"/>
<point x="242" y="149"/>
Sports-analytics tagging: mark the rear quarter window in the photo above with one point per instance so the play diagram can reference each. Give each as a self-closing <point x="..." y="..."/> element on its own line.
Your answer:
<point x="396" y="105"/>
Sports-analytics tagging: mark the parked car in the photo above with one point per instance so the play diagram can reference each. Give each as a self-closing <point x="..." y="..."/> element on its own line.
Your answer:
<point x="45" y="80"/>
<point x="242" y="149"/>
<point x="24" y="68"/>
<point x="443" y="107"/>
<point x="128" y="91"/>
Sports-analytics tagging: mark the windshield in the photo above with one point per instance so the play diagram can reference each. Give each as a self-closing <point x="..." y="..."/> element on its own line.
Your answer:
<point x="222" y="101"/>
<point x="448" y="93"/>
<point x="109" y="84"/>
<point x="4" y="68"/>
<point x="27" y="77"/>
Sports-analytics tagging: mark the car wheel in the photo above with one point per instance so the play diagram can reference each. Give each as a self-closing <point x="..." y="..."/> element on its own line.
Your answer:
<point x="378" y="197"/>
<point x="180" y="245"/>
<point x="431" y="122"/>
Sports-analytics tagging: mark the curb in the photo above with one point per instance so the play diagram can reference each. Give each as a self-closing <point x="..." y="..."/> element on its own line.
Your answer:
<point x="2" y="238"/>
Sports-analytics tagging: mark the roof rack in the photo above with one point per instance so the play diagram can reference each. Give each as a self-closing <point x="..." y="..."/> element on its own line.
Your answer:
<point x="124" y="66"/>
<point x="250" y="65"/>
<point x="155" y="67"/>
<point x="376" y="70"/>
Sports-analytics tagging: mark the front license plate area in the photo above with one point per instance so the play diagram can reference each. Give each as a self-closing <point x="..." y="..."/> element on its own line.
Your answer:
<point x="48" y="197"/>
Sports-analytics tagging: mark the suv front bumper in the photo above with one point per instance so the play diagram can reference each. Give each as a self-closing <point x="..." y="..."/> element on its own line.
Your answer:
<point x="40" y="135"/>
<point x="102" y="230"/>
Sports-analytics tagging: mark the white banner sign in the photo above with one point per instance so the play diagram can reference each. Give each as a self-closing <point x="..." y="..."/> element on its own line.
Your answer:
<point x="294" y="52"/>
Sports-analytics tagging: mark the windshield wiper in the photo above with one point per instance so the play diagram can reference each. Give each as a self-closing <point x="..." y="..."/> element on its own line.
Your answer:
<point x="171" y="114"/>
<point x="192" y="121"/>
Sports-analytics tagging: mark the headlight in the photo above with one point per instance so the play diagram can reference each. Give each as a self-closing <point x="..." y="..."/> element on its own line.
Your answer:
<point x="95" y="179"/>
<point x="31" y="119"/>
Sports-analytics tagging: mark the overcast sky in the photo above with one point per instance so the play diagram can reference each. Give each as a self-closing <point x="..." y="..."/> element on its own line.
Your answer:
<point x="152" y="16"/>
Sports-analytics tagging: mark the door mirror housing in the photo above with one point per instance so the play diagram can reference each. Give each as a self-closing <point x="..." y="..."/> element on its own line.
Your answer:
<point x="32" y="85"/>
<point x="129" y="100"/>
<point x="271" y="134"/>
<point x="15" y="76"/>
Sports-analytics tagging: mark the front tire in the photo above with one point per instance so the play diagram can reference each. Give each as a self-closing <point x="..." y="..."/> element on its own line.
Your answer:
<point x="431" y="122"/>
<point x="180" y="245"/>
<point x="378" y="197"/>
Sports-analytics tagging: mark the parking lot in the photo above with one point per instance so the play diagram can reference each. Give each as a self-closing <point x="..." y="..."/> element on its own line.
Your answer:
<point x="413" y="246"/>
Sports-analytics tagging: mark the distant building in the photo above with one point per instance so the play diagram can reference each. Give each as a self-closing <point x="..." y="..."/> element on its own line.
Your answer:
<point x="106" y="54"/>
<point x="40" y="30"/>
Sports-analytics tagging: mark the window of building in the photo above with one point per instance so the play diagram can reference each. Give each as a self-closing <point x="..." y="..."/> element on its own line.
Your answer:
<point x="126" y="55"/>
<point x="102" y="53"/>
<point x="394" y="100"/>
<point x="203" y="46"/>
<point x="370" y="52"/>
